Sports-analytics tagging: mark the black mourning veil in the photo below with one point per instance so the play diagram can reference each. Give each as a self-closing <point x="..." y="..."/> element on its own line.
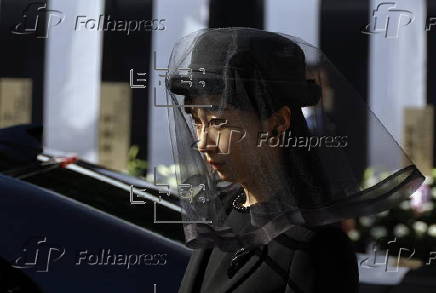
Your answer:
<point x="318" y="179"/>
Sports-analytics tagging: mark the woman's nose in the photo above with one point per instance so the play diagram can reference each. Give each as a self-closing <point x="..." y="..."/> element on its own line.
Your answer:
<point x="206" y="141"/>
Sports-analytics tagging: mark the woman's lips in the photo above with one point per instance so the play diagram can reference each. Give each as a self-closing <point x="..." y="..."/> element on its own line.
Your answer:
<point x="215" y="164"/>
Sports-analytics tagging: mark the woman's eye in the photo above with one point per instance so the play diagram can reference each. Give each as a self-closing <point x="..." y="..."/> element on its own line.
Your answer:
<point x="197" y="127"/>
<point x="196" y="122"/>
<point x="218" y="122"/>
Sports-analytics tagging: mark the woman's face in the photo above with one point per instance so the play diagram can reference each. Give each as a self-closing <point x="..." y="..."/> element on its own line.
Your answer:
<point x="227" y="138"/>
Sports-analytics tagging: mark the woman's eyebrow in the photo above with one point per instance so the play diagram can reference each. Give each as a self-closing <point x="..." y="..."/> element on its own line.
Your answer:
<point x="193" y="112"/>
<point x="214" y="108"/>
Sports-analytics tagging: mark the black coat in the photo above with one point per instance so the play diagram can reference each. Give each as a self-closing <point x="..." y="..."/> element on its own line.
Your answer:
<point x="299" y="260"/>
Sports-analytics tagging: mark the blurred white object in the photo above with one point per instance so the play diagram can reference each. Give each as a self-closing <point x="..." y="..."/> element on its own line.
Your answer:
<point x="397" y="65"/>
<point x="72" y="82"/>
<point x="181" y="20"/>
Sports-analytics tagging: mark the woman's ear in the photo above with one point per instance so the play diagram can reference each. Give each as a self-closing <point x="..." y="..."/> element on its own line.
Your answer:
<point x="283" y="119"/>
<point x="279" y="121"/>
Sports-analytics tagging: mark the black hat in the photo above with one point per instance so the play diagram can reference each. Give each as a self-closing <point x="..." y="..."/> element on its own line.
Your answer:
<point x="274" y="62"/>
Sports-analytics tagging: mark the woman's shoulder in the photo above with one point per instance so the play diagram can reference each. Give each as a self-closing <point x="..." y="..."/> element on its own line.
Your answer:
<point x="331" y="239"/>
<point x="329" y="253"/>
<point x="325" y="244"/>
<point x="330" y="233"/>
<point x="318" y="236"/>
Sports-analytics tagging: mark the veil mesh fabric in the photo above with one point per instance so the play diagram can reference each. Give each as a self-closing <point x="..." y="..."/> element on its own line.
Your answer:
<point x="223" y="88"/>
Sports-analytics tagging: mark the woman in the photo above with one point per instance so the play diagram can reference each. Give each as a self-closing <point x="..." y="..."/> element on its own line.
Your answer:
<point x="267" y="163"/>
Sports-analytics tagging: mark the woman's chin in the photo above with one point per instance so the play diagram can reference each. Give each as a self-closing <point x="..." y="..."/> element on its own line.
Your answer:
<point x="224" y="176"/>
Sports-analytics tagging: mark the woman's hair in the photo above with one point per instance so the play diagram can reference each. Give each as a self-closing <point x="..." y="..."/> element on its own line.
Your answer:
<point x="302" y="164"/>
<point x="262" y="77"/>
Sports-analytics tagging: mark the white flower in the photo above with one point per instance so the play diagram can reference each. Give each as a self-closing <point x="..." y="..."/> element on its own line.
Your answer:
<point x="401" y="230"/>
<point x="405" y="205"/>
<point x="378" y="232"/>
<point x="354" y="235"/>
<point x="420" y="227"/>
<point x="432" y="230"/>
<point x="383" y="214"/>
<point x="367" y="221"/>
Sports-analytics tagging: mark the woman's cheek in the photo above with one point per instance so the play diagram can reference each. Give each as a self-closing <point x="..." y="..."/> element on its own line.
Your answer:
<point x="224" y="143"/>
